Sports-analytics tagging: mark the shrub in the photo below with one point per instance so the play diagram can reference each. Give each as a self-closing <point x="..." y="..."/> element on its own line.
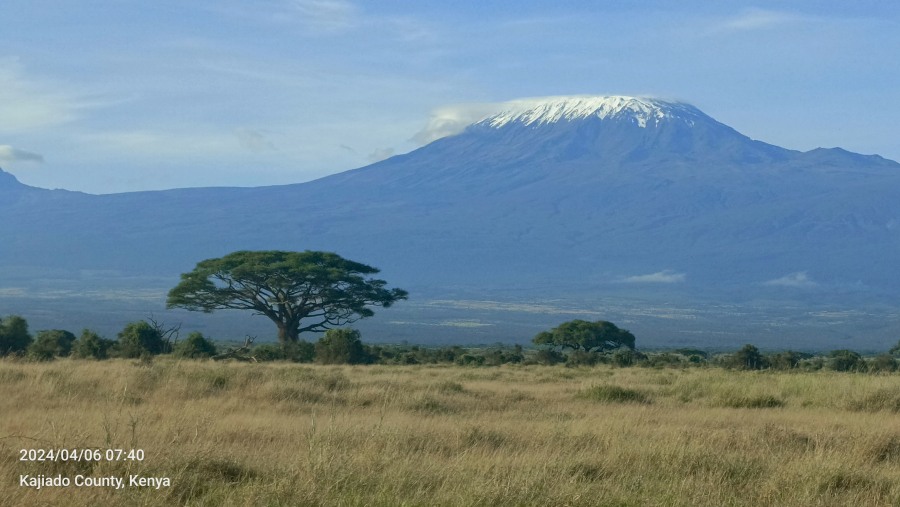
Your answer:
<point x="300" y="351"/>
<point x="448" y="355"/>
<point x="662" y="359"/>
<point x="696" y="359"/>
<point x="688" y="352"/>
<point x="14" y="337"/>
<point x="627" y="357"/>
<point x="140" y="338"/>
<point x="341" y="346"/>
<point x="787" y="360"/>
<point x="582" y="358"/>
<point x="549" y="357"/>
<point x="614" y="394"/>
<point x="502" y="355"/>
<point x="812" y="364"/>
<point x="91" y="346"/>
<point x="883" y="363"/>
<point x="895" y="350"/>
<point x="50" y="344"/>
<point x="470" y="360"/>
<point x="760" y="401"/>
<point x="846" y="360"/>
<point x="268" y="352"/>
<point x="195" y="346"/>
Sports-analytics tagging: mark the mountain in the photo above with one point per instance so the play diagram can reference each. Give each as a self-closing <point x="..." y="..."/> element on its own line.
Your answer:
<point x="598" y="205"/>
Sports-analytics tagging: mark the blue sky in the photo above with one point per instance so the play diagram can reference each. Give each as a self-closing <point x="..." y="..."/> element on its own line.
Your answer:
<point x="120" y="95"/>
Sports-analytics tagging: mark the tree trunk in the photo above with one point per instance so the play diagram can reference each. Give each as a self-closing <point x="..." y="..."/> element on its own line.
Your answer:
<point x="286" y="334"/>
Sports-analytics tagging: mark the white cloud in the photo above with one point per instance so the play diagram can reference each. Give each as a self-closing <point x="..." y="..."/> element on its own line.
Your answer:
<point x="757" y="19"/>
<point x="10" y="154"/>
<point x="665" y="276"/>
<point x="798" y="279"/>
<point x="453" y="119"/>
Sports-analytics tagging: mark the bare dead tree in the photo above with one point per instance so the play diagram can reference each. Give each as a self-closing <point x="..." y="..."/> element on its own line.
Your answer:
<point x="169" y="334"/>
<point x="241" y="353"/>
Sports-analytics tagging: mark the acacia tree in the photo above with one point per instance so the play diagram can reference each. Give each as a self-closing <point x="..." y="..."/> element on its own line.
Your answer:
<point x="581" y="334"/>
<point x="298" y="291"/>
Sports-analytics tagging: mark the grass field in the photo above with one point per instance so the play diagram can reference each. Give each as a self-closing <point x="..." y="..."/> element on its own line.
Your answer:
<point x="284" y="434"/>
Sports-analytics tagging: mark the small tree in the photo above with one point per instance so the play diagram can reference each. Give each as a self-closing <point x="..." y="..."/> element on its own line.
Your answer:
<point x="586" y="336"/>
<point x="195" y="346"/>
<point x="14" y="337"/>
<point x="341" y="346"/>
<point x="139" y="338"/>
<point x="50" y="344"/>
<point x="90" y="345"/>
<point x="748" y="358"/>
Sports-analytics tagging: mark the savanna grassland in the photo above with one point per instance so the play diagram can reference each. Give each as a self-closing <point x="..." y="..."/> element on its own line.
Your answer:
<point x="287" y="434"/>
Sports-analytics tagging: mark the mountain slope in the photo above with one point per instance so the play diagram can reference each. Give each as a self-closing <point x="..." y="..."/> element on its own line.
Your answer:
<point x="567" y="196"/>
<point x="628" y="197"/>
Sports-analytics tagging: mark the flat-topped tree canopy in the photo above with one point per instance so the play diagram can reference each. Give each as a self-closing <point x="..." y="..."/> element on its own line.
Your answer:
<point x="299" y="291"/>
<point x="581" y="334"/>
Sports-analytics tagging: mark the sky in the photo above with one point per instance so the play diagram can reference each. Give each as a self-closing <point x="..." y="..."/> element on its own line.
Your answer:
<point x="105" y="96"/>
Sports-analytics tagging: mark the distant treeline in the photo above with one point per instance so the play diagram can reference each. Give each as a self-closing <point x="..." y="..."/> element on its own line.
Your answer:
<point x="146" y="339"/>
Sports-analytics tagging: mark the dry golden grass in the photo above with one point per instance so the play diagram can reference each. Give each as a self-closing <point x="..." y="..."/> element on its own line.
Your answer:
<point x="278" y="434"/>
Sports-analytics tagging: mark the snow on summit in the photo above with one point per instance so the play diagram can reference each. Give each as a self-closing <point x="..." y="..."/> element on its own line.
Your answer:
<point x="539" y="111"/>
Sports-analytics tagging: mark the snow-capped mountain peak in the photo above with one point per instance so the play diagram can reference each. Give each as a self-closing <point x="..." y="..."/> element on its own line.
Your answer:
<point x="641" y="110"/>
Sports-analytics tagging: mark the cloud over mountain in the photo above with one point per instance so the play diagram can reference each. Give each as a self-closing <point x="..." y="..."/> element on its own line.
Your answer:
<point x="453" y="119"/>
<point x="11" y="154"/>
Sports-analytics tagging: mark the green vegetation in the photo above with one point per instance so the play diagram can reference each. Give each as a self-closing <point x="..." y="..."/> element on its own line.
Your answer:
<point x="582" y="419"/>
<point x="342" y="346"/>
<point x="195" y="346"/>
<point x="90" y="345"/>
<point x="139" y="339"/>
<point x="748" y="358"/>
<point x="299" y="291"/>
<point x="14" y="337"/>
<point x="142" y="339"/>
<point x="50" y="344"/>
<point x="567" y="425"/>
<point x="581" y="335"/>
<point x="614" y="394"/>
